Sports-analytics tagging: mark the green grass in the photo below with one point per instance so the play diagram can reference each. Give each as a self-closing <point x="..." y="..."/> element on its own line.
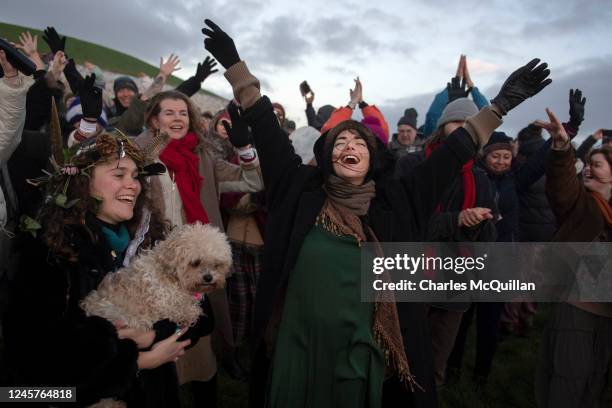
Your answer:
<point x="106" y="58"/>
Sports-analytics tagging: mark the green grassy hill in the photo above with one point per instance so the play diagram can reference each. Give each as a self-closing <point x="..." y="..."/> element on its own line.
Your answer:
<point x="105" y="58"/>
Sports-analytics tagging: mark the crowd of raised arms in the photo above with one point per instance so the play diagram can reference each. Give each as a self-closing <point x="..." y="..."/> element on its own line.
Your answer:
<point x="100" y="181"/>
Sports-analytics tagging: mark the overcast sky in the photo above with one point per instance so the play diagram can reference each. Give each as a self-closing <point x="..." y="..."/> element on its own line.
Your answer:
<point x="403" y="51"/>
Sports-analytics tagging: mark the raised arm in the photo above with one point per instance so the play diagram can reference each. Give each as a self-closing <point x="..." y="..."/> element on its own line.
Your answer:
<point x="563" y="187"/>
<point x="193" y="84"/>
<point x="278" y="160"/>
<point x="429" y="180"/>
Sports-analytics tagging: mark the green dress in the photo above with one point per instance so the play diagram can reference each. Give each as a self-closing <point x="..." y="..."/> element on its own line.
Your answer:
<point x="325" y="353"/>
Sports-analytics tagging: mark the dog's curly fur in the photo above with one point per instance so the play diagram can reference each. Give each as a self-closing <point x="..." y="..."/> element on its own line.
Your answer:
<point x="161" y="283"/>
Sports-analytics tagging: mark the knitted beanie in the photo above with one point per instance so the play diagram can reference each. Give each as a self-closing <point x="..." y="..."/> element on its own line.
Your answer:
<point x="409" y="118"/>
<point x="458" y="110"/>
<point x="124" y="82"/>
<point x="498" y="141"/>
<point x="324" y="112"/>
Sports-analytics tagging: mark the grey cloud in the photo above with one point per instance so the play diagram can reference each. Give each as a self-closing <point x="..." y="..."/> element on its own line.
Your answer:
<point x="340" y="37"/>
<point x="280" y="43"/>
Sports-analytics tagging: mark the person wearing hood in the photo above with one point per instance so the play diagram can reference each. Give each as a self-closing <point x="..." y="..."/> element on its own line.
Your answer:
<point x="314" y="342"/>
<point x="406" y="139"/>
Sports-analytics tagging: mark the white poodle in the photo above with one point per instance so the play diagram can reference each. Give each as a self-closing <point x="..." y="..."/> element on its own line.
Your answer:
<point x="164" y="283"/>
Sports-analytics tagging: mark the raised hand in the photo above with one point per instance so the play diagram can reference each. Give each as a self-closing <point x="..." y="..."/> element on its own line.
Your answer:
<point x="460" y="67"/>
<point x="466" y="73"/>
<point x="522" y="84"/>
<point x="598" y="134"/>
<point x="238" y="133"/>
<point x="170" y="66"/>
<point x="356" y="94"/>
<point x="205" y="69"/>
<point x="58" y="65"/>
<point x="91" y="98"/>
<point x="309" y="97"/>
<point x="456" y="89"/>
<point x="28" y="44"/>
<point x="576" y="107"/>
<point x="53" y="40"/>
<point x="561" y="140"/>
<point x="220" y="45"/>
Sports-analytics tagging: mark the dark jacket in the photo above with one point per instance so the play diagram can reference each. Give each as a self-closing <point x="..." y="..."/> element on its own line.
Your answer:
<point x="443" y="225"/>
<point x="50" y="342"/>
<point x="578" y="214"/>
<point x="508" y="186"/>
<point x="536" y="220"/>
<point x="294" y="195"/>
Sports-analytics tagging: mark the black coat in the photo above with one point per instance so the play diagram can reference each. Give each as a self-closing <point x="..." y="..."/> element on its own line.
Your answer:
<point x="294" y="195"/>
<point x="507" y="188"/>
<point x="50" y="342"/>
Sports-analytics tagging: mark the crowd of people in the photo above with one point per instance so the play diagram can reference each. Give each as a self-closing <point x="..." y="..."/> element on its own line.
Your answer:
<point x="90" y="180"/>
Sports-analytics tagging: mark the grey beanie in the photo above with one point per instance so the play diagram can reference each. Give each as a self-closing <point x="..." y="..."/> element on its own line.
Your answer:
<point x="459" y="109"/>
<point x="409" y="118"/>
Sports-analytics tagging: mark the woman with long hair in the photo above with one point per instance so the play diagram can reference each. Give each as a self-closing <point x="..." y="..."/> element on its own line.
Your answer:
<point x="314" y="342"/>
<point x="576" y="348"/>
<point x="96" y="216"/>
<point x="190" y="189"/>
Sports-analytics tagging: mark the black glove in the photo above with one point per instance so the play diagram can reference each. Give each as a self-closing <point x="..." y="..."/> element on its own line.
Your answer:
<point x="523" y="83"/>
<point x="456" y="89"/>
<point x="239" y="132"/>
<point x="53" y="40"/>
<point x="205" y="69"/>
<point x="91" y="97"/>
<point x="220" y="45"/>
<point x="576" y="103"/>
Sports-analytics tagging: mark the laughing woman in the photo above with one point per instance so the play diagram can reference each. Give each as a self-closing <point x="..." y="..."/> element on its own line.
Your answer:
<point x="314" y="341"/>
<point x="96" y="217"/>
<point x="190" y="190"/>
<point x="575" y="353"/>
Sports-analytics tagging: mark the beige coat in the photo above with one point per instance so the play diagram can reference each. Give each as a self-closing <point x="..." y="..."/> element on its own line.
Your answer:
<point x="199" y="363"/>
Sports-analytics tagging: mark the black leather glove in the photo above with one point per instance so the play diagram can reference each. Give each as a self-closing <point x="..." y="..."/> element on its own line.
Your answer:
<point x="456" y="89"/>
<point x="576" y="111"/>
<point x="220" y="45"/>
<point x="523" y="83"/>
<point x="239" y="132"/>
<point x="91" y="97"/>
<point x="205" y="69"/>
<point x="53" y="40"/>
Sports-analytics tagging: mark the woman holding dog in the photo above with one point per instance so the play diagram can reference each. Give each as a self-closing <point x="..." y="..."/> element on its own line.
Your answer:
<point x="315" y="344"/>
<point x="190" y="190"/>
<point x="97" y="215"/>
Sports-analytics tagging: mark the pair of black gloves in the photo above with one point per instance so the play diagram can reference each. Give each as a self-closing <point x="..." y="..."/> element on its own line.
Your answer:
<point x="522" y="84"/>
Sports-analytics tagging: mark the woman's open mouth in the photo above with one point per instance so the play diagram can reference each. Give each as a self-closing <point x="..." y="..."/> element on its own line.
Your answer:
<point x="350" y="159"/>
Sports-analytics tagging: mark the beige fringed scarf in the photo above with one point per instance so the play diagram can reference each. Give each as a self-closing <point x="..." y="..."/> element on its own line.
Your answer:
<point x="340" y="216"/>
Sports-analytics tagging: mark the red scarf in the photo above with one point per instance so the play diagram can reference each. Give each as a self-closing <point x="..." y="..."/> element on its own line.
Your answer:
<point x="469" y="183"/>
<point x="183" y="165"/>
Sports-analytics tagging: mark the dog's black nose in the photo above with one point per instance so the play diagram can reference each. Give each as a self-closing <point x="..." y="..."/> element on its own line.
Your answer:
<point x="208" y="278"/>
